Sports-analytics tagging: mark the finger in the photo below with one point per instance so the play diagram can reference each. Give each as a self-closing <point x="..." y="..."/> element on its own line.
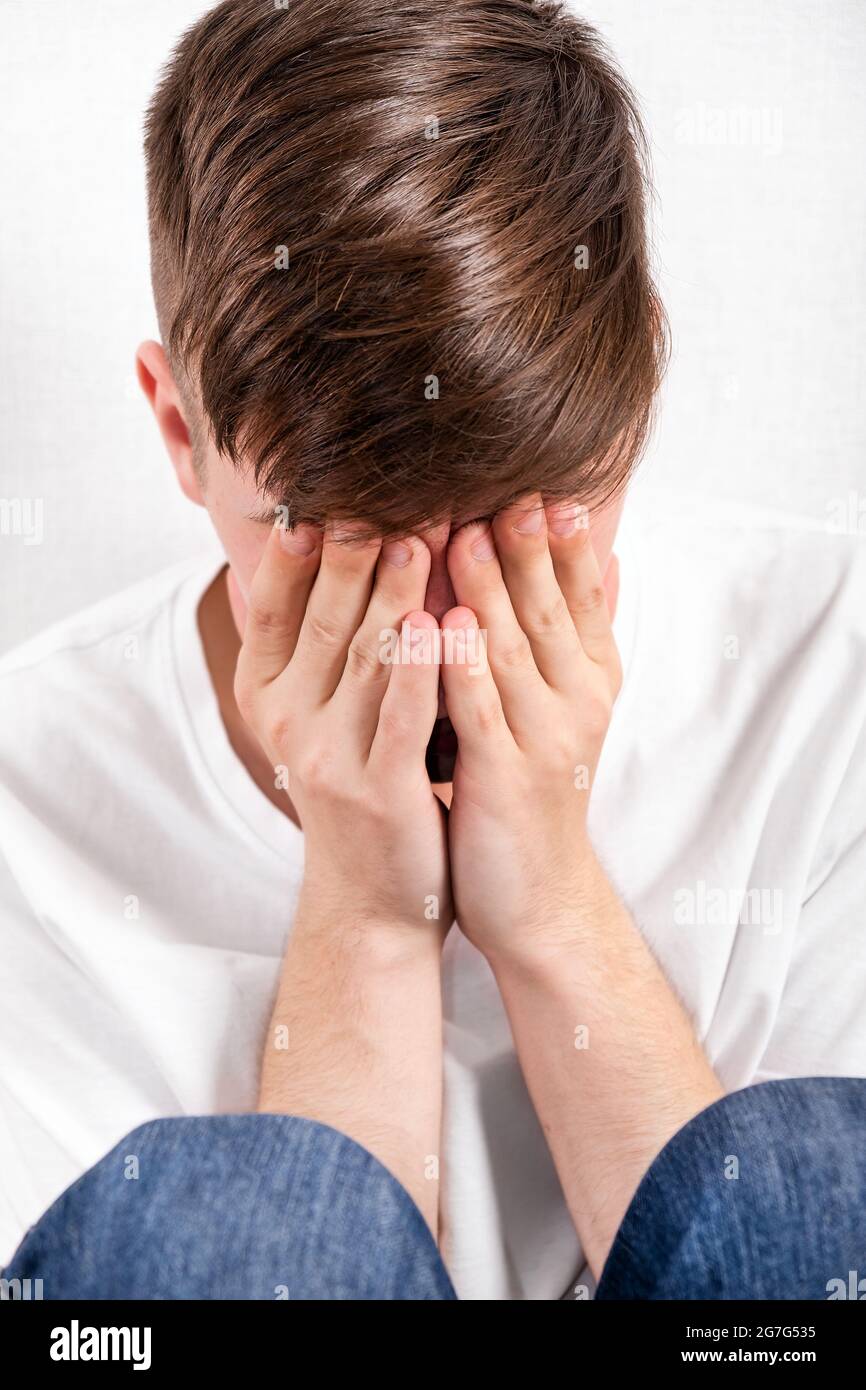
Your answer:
<point x="275" y="607"/>
<point x="411" y="700"/>
<point x="472" y="698"/>
<point x="576" y="568"/>
<point x="399" y="587"/>
<point x="478" y="585"/>
<point x="336" y="607"/>
<point x="520" y="532"/>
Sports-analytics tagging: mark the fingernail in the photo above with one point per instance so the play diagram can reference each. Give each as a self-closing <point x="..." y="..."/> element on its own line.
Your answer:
<point x="301" y="540"/>
<point x="482" y="546"/>
<point x="567" y="518"/>
<point x="397" y="553"/>
<point x="529" y="523"/>
<point x="467" y="619"/>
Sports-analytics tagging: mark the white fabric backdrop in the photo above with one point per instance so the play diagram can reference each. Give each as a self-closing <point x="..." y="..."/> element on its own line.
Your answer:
<point x="758" y="119"/>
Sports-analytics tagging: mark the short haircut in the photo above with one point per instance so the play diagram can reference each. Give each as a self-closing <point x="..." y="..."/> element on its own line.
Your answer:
<point x="467" y="311"/>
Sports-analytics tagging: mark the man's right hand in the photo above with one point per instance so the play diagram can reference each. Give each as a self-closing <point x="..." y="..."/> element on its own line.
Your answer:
<point x="348" y="729"/>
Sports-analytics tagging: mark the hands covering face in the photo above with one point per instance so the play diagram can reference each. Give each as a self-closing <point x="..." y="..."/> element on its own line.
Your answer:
<point x="319" y="685"/>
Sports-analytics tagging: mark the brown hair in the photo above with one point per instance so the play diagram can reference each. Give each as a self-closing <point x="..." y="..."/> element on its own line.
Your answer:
<point x="432" y="170"/>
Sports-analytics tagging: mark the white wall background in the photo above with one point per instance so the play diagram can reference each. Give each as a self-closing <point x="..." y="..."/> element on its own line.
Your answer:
<point x="757" y="110"/>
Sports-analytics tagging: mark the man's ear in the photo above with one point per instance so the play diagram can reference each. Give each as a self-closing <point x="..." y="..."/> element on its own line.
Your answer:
<point x="157" y="383"/>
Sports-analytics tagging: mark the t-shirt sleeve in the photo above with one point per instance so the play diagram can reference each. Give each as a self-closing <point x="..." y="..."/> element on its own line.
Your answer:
<point x="22" y="966"/>
<point x="820" y="1028"/>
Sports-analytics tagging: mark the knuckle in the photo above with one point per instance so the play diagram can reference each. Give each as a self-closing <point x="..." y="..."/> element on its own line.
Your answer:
<point x="557" y="738"/>
<point x="265" y="617"/>
<point x="515" y="654"/>
<point x="278" y="729"/>
<point x="363" y="661"/>
<point x="489" y="716"/>
<point x="595" y="715"/>
<point x="552" y="618"/>
<point x="323" y="631"/>
<point x="315" y="769"/>
<point x="560" y="756"/>
<point x="395" y="724"/>
<point x="592" y="601"/>
<point x="378" y="808"/>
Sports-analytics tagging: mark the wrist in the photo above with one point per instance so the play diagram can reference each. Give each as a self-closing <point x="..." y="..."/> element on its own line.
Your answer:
<point x="558" y="927"/>
<point x="355" y="938"/>
<point x="373" y="906"/>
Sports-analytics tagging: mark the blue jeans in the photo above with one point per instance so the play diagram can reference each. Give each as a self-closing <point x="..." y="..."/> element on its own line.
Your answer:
<point x="762" y="1196"/>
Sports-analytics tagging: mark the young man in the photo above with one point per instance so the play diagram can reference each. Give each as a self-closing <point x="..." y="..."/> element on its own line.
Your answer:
<point x="400" y="266"/>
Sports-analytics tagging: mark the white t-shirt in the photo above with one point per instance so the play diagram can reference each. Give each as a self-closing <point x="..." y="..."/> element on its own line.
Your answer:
<point x="147" y="884"/>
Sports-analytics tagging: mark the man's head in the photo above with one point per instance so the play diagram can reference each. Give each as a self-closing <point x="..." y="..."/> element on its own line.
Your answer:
<point x="400" y="265"/>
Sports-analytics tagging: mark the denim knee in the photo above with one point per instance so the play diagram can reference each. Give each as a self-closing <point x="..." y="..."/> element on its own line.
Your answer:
<point x="234" y="1207"/>
<point x="761" y="1196"/>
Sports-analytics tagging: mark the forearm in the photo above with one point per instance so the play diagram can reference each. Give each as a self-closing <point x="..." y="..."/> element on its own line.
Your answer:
<point x="608" y="1053"/>
<point x="355" y="1042"/>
